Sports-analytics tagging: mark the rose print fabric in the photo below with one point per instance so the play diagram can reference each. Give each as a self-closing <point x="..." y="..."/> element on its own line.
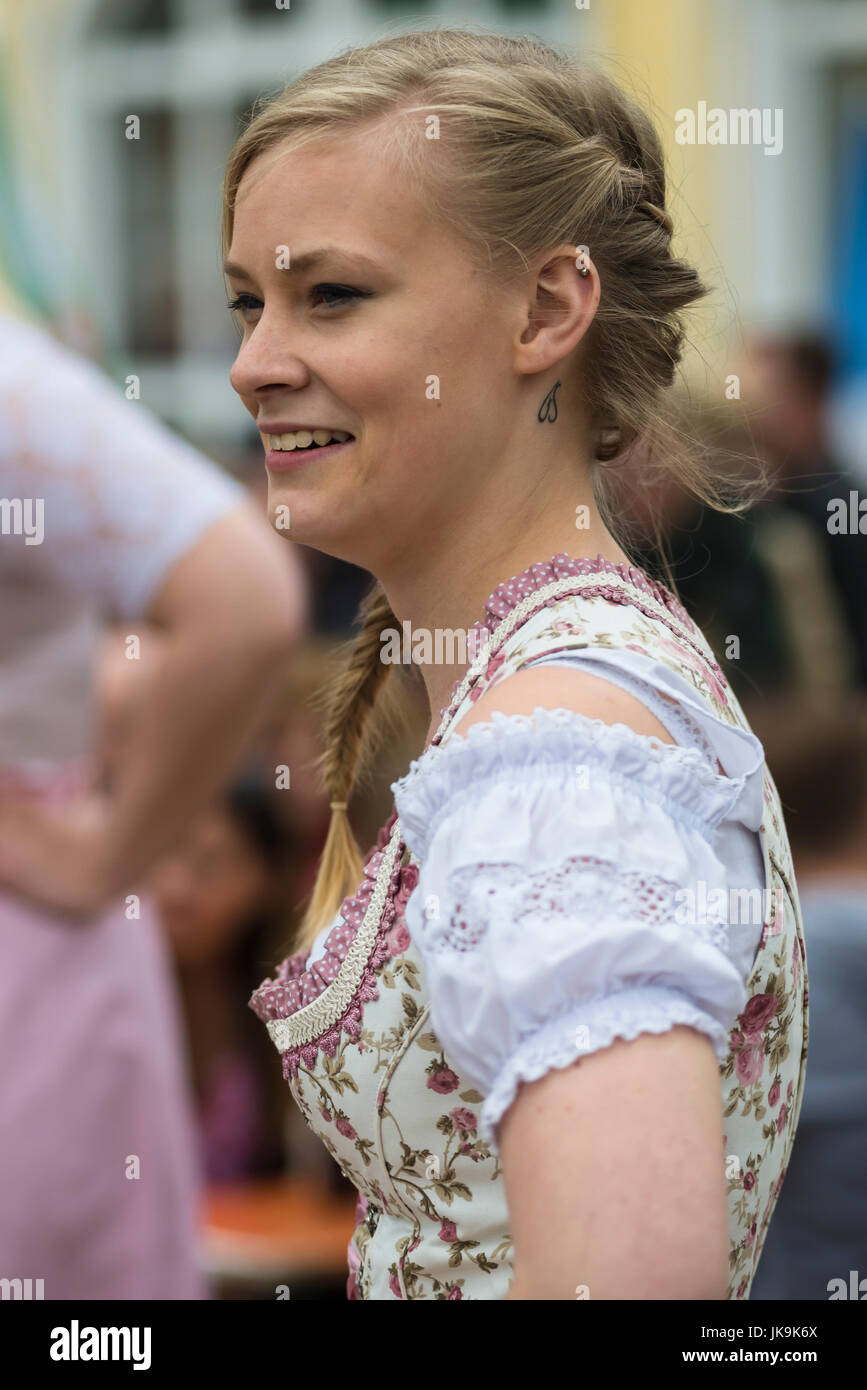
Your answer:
<point x="353" y="1021"/>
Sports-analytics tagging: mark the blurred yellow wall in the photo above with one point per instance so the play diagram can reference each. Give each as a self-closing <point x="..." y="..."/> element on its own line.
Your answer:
<point x="665" y="53"/>
<point x="31" y="77"/>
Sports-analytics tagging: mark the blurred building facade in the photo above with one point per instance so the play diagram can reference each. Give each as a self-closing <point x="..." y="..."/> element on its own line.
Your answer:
<point x="110" y="226"/>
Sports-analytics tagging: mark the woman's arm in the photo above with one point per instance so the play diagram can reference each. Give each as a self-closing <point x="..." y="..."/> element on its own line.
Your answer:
<point x="614" y="1175"/>
<point x="231" y="608"/>
<point x="614" y="1166"/>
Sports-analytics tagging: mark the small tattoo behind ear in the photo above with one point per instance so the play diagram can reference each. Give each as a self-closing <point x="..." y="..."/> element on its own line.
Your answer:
<point x="548" y="408"/>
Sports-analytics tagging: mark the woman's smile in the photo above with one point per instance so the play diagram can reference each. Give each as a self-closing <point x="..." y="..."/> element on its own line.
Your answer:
<point x="285" y="458"/>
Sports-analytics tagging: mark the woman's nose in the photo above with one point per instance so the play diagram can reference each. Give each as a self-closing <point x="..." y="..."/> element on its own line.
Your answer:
<point x="265" y="358"/>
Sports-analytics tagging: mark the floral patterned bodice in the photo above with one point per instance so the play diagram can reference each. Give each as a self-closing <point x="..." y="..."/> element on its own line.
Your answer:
<point x="354" y="1030"/>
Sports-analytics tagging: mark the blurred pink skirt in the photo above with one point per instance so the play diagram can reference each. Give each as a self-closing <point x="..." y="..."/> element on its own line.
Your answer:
<point x="99" y="1183"/>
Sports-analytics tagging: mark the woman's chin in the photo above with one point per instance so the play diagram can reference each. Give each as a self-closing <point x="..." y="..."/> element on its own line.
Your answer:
<point x="307" y="525"/>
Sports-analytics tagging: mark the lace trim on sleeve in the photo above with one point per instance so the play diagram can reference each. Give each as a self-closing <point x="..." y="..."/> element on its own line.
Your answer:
<point x="580" y="885"/>
<point x="590" y="1026"/>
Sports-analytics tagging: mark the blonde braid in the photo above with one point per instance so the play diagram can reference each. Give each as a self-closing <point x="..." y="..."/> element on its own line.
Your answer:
<point x="349" y="734"/>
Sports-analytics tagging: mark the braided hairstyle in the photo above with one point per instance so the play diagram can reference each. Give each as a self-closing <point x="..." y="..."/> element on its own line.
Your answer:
<point x="535" y="149"/>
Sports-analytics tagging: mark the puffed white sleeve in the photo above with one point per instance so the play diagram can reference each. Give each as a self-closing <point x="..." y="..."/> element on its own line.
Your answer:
<point x="568" y="894"/>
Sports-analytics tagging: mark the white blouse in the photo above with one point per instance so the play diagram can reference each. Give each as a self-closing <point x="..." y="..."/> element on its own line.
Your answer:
<point x="577" y="880"/>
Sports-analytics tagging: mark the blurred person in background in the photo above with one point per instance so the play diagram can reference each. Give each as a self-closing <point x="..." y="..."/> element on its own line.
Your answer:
<point x="818" y="758"/>
<point x="219" y="899"/>
<point x="780" y="590"/>
<point x="229" y="893"/>
<point x="289" y="751"/>
<point x="818" y="560"/>
<point x="715" y="557"/>
<point x="106" y="514"/>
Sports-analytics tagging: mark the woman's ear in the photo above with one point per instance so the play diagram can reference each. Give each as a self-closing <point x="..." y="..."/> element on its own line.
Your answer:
<point x="562" y="305"/>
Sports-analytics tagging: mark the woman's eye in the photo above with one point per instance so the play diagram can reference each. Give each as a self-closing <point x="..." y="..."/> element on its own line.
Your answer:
<point x="244" y="302"/>
<point x="342" y="294"/>
<point x="331" y="297"/>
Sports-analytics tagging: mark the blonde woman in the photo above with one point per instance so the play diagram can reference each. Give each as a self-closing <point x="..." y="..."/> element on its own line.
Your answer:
<point x="527" y="1026"/>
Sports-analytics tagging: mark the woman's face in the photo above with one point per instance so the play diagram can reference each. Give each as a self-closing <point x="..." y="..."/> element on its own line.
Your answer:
<point x="209" y="888"/>
<point x="391" y="335"/>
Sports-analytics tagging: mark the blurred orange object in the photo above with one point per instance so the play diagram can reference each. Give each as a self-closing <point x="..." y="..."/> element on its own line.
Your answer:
<point x="280" y="1229"/>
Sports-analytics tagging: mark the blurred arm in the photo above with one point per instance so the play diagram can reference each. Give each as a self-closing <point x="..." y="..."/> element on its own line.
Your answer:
<point x="232" y="608"/>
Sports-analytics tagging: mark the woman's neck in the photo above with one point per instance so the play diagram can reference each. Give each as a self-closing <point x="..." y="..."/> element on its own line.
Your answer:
<point x="448" y="593"/>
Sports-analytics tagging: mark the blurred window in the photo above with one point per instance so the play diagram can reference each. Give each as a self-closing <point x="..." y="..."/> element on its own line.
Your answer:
<point x="849" y="194"/>
<point x="137" y="16"/>
<point x="145" y="199"/>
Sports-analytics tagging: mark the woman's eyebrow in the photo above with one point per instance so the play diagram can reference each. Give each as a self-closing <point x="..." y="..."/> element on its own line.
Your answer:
<point x="308" y="259"/>
<point x="236" y="271"/>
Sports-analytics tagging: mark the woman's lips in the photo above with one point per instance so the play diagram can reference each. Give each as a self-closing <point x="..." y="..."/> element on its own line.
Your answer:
<point x="284" y="460"/>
